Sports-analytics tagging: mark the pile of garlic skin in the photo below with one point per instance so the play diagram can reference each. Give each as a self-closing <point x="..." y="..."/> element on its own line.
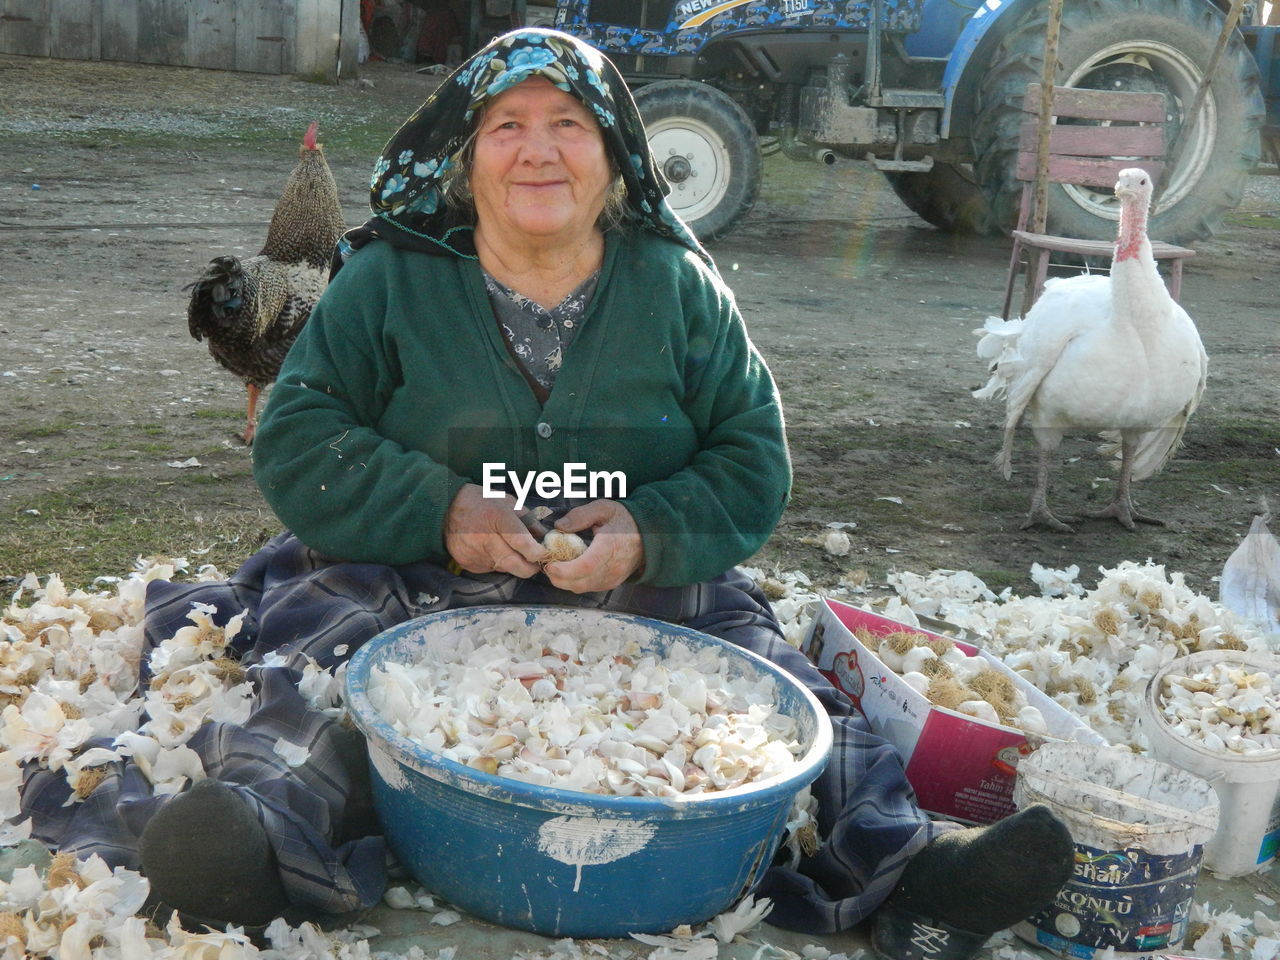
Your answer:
<point x="69" y="673"/>
<point x="947" y="676"/>
<point x="1225" y="707"/>
<point x="793" y="598"/>
<point x="1092" y="651"/>
<point x="595" y="714"/>
<point x="69" y="668"/>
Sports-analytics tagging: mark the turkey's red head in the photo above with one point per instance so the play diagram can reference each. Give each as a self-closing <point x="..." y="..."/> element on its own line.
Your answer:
<point x="309" y="138"/>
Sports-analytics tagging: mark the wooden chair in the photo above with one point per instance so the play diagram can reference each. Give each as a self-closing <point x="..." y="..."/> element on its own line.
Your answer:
<point x="1122" y="130"/>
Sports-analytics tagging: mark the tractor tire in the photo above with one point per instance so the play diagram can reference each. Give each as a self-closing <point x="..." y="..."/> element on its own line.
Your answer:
<point x="947" y="196"/>
<point x="705" y="146"/>
<point x="1128" y="45"/>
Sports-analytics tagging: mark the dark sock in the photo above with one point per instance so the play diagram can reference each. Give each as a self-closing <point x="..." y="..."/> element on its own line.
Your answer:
<point x="985" y="879"/>
<point x="207" y="856"/>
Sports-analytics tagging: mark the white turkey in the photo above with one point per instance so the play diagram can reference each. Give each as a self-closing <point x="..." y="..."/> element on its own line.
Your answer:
<point x="1110" y="354"/>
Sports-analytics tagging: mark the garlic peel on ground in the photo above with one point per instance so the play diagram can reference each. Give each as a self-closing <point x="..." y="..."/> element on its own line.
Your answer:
<point x="82" y="649"/>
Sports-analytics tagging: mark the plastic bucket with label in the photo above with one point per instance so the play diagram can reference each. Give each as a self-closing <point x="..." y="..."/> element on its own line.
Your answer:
<point x="1248" y="784"/>
<point x="1139" y="826"/>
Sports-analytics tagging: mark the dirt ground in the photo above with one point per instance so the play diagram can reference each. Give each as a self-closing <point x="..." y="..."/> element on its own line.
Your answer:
<point x="118" y="183"/>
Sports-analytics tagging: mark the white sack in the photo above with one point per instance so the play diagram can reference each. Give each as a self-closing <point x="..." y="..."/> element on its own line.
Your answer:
<point x="1250" y="584"/>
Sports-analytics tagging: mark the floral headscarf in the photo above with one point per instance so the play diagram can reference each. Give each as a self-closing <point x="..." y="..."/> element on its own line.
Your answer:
<point x="407" y="189"/>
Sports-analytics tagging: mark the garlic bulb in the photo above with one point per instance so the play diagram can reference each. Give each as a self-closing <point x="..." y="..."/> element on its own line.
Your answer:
<point x="917" y="681"/>
<point x="941" y="671"/>
<point x="563" y="546"/>
<point x="915" y="659"/>
<point x="1031" y="720"/>
<point x="890" y="656"/>
<point x="980" y="709"/>
<point x="837" y="543"/>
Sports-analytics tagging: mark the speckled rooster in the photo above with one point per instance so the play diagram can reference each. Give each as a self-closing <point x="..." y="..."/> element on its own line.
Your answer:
<point x="252" y="310"/>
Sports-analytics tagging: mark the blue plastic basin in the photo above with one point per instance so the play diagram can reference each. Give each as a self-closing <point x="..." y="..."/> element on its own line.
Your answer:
<point x="562" y="862"/>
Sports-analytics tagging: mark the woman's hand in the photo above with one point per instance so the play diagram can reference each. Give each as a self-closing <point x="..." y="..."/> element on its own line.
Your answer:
<point x="616" y="550"/>
<point x="484" y="535"/>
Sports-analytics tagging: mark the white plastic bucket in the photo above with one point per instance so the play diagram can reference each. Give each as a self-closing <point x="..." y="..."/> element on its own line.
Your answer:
<point x="1138" y="827"/>
<point x="1248" y="785"/>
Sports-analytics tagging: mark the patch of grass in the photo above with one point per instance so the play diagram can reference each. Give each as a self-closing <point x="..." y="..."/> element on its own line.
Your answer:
<point x="1234" y="437"/>
<point x="102" y="525"/>
<point x="154" y="447"/>
<point x="363" y="140"/>
<point x="1260" y="221"/>
<point x="55" y="429"/>
<point x="1245" y="474"/>
<point x="217" y="413"/>
<point x="361" y="137"/>
<point x="218" y="479"/>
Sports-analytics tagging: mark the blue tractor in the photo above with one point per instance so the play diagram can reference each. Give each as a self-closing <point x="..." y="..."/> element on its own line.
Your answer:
<point x="929" y="91"/>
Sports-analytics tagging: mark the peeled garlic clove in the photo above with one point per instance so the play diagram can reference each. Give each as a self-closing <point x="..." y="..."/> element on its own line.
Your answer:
<point x="544" y="688"/>
<point x="563" y="546"/>
<point x="641" y="699"/>
<point x="500" y="742"/>
<point x="1212" y="741"/>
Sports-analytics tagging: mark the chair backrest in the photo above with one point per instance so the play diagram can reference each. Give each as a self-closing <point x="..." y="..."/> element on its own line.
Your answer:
<point x="1119" y="130"/>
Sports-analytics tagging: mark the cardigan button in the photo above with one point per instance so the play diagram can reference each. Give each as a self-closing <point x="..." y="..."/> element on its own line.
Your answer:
<point x="543" y="430"/>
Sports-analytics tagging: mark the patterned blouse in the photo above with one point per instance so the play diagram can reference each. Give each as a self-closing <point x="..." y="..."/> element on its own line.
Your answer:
<point x="537" y="336"/>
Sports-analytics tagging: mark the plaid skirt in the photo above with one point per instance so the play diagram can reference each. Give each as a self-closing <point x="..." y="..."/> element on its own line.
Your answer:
<point x="302" y="606"/>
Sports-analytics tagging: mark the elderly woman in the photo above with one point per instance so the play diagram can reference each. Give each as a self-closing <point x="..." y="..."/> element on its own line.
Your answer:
<point x="522" y="304"/>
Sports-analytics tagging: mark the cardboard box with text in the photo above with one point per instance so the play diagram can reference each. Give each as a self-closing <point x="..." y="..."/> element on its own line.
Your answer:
<point x="961" y="767"/>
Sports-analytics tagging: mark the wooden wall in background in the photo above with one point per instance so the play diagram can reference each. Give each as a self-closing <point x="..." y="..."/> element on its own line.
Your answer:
<point x="257" y="36"/>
